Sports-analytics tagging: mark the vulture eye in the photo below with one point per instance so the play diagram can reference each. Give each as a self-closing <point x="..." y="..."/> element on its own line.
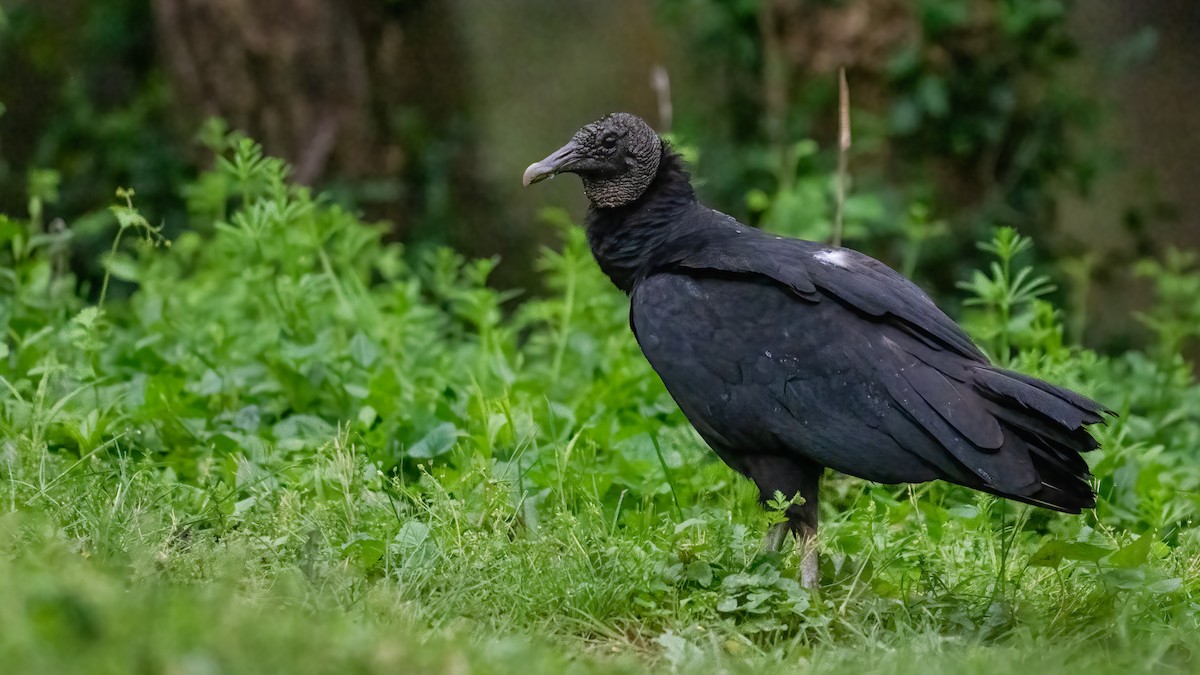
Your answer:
<point x="609" y="142"/>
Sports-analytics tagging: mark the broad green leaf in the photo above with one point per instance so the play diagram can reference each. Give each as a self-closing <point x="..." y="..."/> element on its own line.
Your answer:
<point x="700" y="572"/>
<point x="363" y="350"/>
<point x="1134" y="554"/>
<point x="436" y="443"/>
<point x="1055" y="551"/>
<point x="364" y="550"/>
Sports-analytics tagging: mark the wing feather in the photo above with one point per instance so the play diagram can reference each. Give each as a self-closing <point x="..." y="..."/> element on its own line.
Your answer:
<point x="874" y="380"/>
<point x="814" y="271"/>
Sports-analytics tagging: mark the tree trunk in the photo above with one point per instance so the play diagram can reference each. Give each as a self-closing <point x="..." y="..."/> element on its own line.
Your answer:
<point x="339" y="88"/>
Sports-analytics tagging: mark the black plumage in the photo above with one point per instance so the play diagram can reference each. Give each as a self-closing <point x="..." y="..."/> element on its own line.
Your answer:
<point x="789" y="356"/>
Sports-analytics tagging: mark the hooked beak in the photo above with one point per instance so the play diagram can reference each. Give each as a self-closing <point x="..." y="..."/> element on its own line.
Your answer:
<point x="559" y="161"/>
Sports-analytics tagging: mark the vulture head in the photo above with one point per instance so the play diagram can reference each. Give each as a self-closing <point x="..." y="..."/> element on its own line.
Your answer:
<point x="616" y="157"/>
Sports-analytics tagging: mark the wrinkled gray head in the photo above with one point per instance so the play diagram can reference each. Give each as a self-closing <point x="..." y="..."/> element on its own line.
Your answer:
<point x="615" y="156"/>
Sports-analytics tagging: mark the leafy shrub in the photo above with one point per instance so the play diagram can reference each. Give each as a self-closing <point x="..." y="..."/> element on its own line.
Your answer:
<point x="283" y="398"/>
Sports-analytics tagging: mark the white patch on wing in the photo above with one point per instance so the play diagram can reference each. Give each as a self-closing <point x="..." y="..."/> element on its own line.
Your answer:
<point x="835" y="257"/>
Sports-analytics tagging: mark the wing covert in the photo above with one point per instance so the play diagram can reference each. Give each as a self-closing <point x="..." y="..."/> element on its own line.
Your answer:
<point x="814" y="271"/>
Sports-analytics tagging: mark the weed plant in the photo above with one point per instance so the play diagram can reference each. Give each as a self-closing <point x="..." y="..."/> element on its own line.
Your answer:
<point x="287" y="446"/>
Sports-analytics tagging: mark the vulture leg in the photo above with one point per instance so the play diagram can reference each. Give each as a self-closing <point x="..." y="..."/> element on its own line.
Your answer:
<point x="791" y="476"/>
<point x="806" y="548"/>
<point x="802" y="520"/>
<point x="775" y="537"/>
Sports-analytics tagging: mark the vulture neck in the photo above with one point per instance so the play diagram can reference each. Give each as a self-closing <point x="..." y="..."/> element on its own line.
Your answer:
<point x="625" y="239"/>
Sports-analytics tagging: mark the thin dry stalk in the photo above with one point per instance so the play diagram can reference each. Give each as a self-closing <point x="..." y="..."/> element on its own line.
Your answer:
<point x="660" y="80"/>
<point x="843" y="152"/>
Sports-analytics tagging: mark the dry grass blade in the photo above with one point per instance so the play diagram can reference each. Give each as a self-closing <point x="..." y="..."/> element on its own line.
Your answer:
<point x="843" y="152"/>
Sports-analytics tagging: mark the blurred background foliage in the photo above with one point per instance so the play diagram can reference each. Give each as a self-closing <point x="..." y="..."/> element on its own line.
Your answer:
<point x="1064" y="119"/>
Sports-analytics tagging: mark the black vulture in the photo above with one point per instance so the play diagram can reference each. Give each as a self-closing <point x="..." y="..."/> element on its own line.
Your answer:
<point x="790" y="356"/>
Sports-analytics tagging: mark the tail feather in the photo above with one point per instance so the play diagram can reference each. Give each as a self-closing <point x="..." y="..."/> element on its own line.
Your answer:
<point x="1051" y="422"/>
<point x="1064" y="406"/>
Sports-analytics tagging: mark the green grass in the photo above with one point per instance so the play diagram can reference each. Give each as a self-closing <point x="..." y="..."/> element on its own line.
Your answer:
<point x="280" y="445"/>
